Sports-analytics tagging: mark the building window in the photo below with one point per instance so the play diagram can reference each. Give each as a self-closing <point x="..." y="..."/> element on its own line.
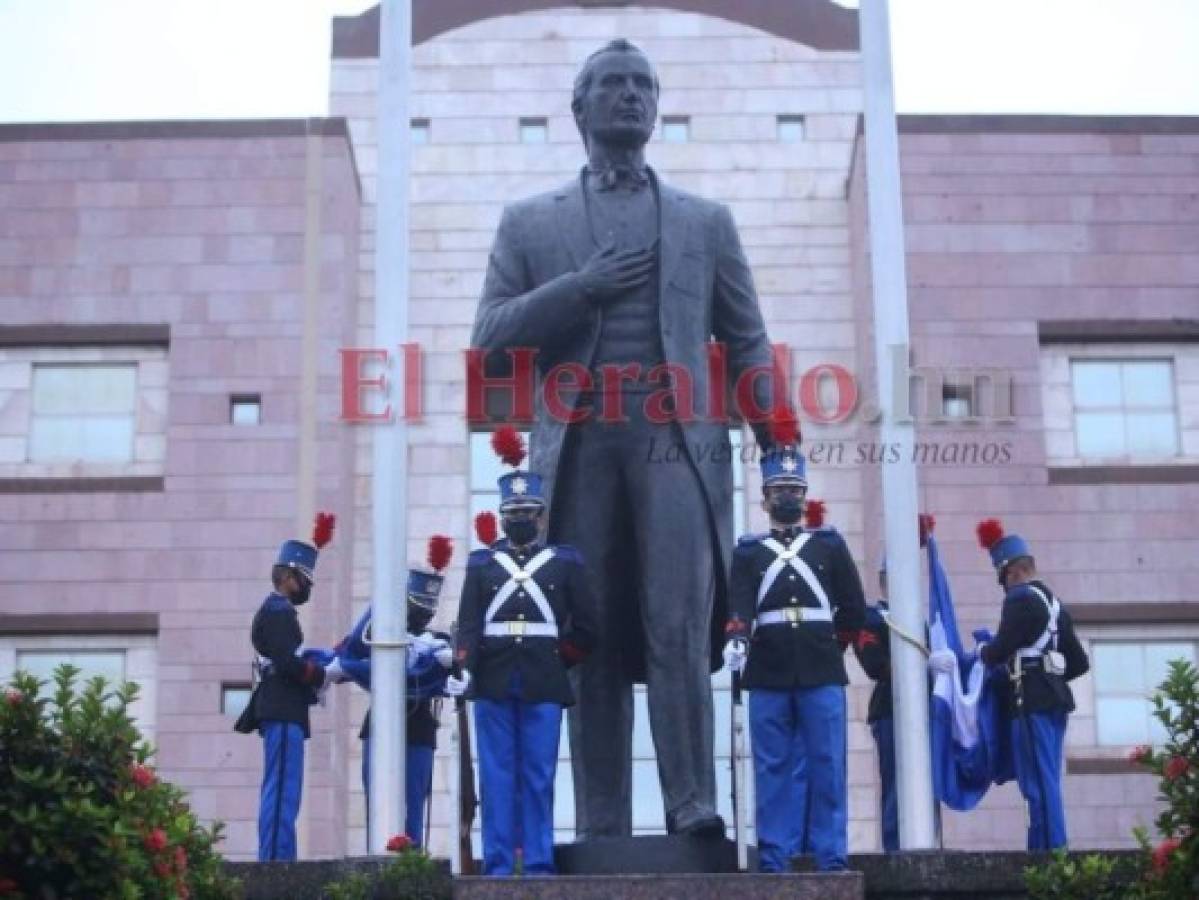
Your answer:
<point x="245" y="409"/>
<point x="114" y="657"/>
<point x="83" y="413"/>
<point x="957" y="401"/>
<point x="234" y="698"/>
<point x="534" y="131"/>
<point x="419" y="131"/>
<point x="1124" y="408"/>
<point x="1126" y="673"/>
<point x="676" y="129"/>
<point x="789" y="129"/>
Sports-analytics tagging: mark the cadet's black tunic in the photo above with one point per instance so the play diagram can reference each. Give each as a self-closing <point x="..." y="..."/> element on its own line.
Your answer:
<point x="804" y="654"/>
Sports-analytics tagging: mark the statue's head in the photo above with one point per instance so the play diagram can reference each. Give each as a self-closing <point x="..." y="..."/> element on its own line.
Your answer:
<point x="615" y="97"/>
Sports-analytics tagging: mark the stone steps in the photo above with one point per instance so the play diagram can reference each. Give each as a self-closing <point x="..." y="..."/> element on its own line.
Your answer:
<point x="808" y="886"/>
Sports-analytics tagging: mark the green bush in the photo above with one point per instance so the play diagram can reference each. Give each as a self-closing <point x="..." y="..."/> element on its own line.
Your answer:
<point x="410" y="875"/>
<point x="1090" y="877"/>
<point x="1172" y="865"/>
<point x="1169" y="869"/>
<point x="81" y="813"/>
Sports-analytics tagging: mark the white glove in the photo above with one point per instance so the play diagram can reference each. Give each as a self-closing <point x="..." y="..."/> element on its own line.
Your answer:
<point x="443" y="653"/>
<point x="942" y="662"/>
<point x="735" y="654"/>
<point x="456" y="687"/>
<point x="334" y="674"/>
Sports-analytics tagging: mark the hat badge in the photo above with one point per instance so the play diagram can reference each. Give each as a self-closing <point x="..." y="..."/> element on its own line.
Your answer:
<point x="520" y="486"/>
<point x="789" y="464"/>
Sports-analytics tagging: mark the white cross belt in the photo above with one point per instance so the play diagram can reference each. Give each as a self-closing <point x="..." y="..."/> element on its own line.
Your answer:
<point x="521" y="578"/>
<point x="789" y="556"/>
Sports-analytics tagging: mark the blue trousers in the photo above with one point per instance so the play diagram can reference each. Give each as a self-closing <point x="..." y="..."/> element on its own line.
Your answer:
<point x="282" y="783"/>
<point x="1038" y="753"/>
<point x="418" y="778"/>
<point x="799" y="748"/>
<point x="518" y="755"/>
<point x="884" y="739"/>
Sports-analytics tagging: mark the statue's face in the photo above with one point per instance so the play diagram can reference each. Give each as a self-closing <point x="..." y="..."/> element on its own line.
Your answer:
<point x="621" y="104"/>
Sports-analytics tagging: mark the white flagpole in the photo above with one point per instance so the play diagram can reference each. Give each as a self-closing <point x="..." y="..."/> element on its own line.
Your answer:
<point x="909" y="679"/>
<point x="390" y="475"/>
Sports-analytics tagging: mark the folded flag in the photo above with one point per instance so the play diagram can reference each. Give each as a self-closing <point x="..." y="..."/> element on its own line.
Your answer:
<point x="426" y="677"/>
<point x="970" y="750"/>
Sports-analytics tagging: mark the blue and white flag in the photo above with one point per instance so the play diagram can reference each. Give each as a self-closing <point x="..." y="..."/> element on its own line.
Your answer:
<point x="970" y="749"/>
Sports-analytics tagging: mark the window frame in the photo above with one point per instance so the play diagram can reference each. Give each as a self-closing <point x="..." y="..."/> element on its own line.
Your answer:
<point x="79" y="418"/>
<point x="672" y="121"/>
<point x="1122" y="409"/>
<point x="140" y="663"/>
<point x="1082" y="737"/>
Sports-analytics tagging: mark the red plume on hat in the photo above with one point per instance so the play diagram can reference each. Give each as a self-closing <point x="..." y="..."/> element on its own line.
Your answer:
<point x="784" y="428"/>
<point x="485" y="528"/>
<point x="926" y="524"/>
<point x="322" y="529"/>
<point x="814" y="513"/>
<point x="441" y="548"/>
<point x="990" y="533"/>
<point x="508" y="445"/>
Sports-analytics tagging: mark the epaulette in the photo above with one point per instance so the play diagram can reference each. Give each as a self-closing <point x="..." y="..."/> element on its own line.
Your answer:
<point x="750" y="540"/>
<point x="276" y="603"/>
<point x="568" y="553"/>
<point x="479" y="558"/>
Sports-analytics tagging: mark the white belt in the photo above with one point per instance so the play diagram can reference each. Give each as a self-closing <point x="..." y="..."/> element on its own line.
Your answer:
<point x="520" y="629"/>
<point x="792" y="615"/>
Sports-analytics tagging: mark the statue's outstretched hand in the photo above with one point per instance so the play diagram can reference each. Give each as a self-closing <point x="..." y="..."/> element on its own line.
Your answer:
<point x="611" y="272"/>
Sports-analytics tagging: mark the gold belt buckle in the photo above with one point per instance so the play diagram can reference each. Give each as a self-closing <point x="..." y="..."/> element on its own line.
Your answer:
<point x="516" y="627"/>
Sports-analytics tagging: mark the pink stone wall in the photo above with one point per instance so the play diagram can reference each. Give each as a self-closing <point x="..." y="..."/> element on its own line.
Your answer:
<point x="206" y="235"/>
<point x="1005" y="230"/>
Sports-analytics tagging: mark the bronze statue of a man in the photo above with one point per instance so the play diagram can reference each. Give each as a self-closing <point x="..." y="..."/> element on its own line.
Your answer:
<point x="623" y="283"/>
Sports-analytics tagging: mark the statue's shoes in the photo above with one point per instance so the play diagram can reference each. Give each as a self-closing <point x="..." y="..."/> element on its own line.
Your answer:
<point x="706" y="826"/>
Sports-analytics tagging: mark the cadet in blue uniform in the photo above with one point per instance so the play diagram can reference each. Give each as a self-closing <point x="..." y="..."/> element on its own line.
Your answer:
<point x="874" y="655"/>
<point x="288" y="685"/>
<point x="796" y="603"/>
<point x="429" y="659"/>
<point x="526" y="616"/>
<point x="1036" y="640"/>
<point x="873" y="650"/>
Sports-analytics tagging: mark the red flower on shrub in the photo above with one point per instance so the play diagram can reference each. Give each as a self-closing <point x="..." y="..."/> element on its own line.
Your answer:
<point x="13" y="698"/>
<point x="155" y="840"/>
<point x="1176" y="768"/>
<point x="162" y="869"/>
<point x="143" y="776"/>
<point x="1163" y="852"/>
<point x="399" y="843"/>
<point x="1141" y="754"/>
